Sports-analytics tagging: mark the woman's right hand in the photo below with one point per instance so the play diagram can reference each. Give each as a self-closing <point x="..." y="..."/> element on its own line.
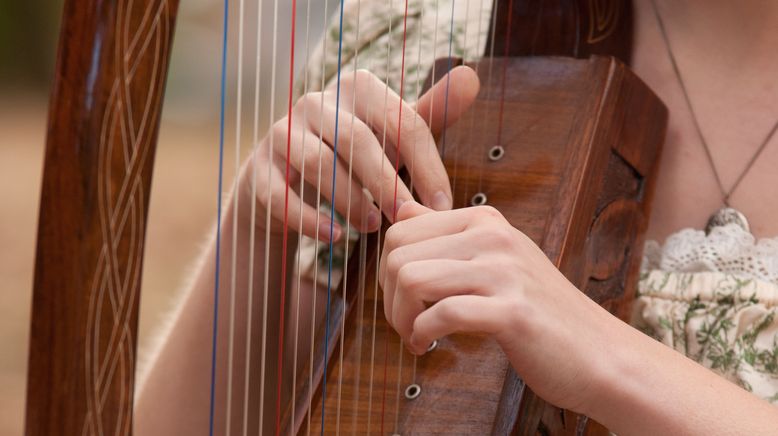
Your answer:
<point x="368" y="112"/>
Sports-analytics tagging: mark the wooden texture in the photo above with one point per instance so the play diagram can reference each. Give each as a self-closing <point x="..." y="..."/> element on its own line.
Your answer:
<point x="574" y="28"/>
<point x="581" y="147"/>
<point x="103" y="123"/>
<point x="581" y="139"/>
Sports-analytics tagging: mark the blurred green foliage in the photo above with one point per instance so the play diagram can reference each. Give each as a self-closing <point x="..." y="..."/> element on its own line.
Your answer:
<point x="28" y="39"/>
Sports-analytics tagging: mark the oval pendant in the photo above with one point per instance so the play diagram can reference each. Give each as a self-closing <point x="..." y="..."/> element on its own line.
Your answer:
<point x="727" y="215"/>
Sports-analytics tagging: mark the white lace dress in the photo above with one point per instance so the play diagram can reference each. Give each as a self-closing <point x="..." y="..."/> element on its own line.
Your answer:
<point x="714" y="298"/>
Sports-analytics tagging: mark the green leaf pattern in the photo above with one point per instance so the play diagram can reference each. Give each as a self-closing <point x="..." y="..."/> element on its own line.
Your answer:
<point x="723" y="321"/>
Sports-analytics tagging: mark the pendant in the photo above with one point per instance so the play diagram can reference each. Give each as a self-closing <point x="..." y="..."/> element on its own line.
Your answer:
<point x="727" y="215"/>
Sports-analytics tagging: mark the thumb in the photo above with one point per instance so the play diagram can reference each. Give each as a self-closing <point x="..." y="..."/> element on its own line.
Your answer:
<point x="411" y="209"/>
<point x="448" y="98"/>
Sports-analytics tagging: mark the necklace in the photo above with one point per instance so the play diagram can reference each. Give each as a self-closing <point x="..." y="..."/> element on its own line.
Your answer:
<point x="727" y="214"/>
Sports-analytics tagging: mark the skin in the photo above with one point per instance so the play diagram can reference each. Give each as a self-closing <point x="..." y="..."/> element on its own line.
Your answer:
<point x="729" y="68"/>
<point x="634" y="385"/>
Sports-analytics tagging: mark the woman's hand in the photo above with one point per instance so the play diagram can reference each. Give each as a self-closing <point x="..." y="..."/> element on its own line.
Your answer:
<point x="368" y="112"/>
<point x="469" y="270"/>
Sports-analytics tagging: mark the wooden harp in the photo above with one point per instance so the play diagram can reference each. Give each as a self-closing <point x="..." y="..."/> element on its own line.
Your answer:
<point x="573" y="168"/>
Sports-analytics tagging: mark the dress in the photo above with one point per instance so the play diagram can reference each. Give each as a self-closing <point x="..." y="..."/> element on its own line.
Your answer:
<point x="712" y="297"/>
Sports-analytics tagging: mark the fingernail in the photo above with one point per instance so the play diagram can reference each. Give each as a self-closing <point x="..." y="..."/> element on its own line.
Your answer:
<point x="441" y="201"/>
<point x="397" y="207"/>
<point x="373" y="220"/>
<point x="325" y="230"/>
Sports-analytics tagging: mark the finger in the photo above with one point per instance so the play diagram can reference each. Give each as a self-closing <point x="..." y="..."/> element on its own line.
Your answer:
<point x="404" y="129"/>
<point x="448" y="98"/>
<point x="428" y="281"/>
<point x="443" y="247"/>
<point x="300" y="217"/>
<point x="358" y="145"/>
<point x="424" y="226"/>
<point x="411" y="209"/>
<point x="460" y="313"/>
<point x="316" y="159"/>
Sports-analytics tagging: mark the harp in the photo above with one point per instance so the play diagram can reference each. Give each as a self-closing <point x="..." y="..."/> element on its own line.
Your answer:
<point x="571" y="164"/>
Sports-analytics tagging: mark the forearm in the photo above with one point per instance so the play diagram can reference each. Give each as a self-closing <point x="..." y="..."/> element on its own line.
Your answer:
<point x="175" y="396"/>
<point x="647" y="388"/>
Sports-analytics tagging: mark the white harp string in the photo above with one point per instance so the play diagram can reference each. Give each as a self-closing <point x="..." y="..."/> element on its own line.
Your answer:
<point x="347" y="238"/>
<point x="316" y="236"/>
<point x="236" y="198"/>
<point x="252" y="229"/>
<point x="298" y="284"/>
<point x="269" y="197"/>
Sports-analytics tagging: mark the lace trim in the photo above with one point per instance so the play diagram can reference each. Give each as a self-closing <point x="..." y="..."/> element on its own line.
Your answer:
<point x="728" y="249"/>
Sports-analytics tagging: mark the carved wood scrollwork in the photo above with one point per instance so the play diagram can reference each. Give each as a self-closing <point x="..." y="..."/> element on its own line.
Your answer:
<point x="104" y="118"/>
<point x="604" y="17"/>
<point x="141" y="46"/>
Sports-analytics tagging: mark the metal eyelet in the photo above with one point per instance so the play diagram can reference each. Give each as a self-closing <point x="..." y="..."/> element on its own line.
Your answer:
<point x="412" y="391"/>
<point x="478" y="199"/>
<point x="496" y="153"/>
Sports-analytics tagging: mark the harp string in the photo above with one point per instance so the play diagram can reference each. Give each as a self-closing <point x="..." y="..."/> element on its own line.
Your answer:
<point x="304" y="131"/>
<point x="269" y="197"/>
<point x="504" y="71"/>
<point x="459" y="127"/>
<point x="378" y="238"/>
<point x="235" y="204"/>
<point x="469" y="129"/>
<point x="250" y="283"/>
<point x="316" y="238"/>
<point x="332" y="220"/>
<point x="394" y="200"/>
<point x="222" y="96"/>
<point x="344" y="298"/>
<point x="284" y="245"/>
<point x="429" y="116"/>
<point x="284" y="268"/>
<point x="489" y="79"/>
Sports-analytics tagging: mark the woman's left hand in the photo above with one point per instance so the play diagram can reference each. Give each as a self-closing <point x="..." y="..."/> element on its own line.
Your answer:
<point x="469" y="270"/>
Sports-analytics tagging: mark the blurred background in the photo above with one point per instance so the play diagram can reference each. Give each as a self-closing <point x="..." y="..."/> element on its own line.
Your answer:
<point x="183" y="200"/>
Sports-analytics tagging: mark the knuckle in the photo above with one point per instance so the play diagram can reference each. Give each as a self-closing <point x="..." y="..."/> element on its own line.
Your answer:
<point x="279" y="130"/>
<point x="311" y="101"/>
<point x="394" y="236"/>
<point x="489" y="212"/>
<point x="408" y="279"/>
<point x="497" y="237"/>
<point x="377" y="184"/>
<point x="361" y="135"/>
<point x="502" y="236"/>
<point x="394" y="262"/>
<point x="311" y="159"/>
<point x="449" y="313"/>
<point x="390" y="238"/>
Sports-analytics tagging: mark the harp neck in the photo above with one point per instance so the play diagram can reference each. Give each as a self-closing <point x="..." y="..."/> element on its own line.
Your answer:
<point x="575" y="28"/>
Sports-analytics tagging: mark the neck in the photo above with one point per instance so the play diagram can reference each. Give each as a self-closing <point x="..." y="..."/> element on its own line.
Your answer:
<point x="735" y="33"/>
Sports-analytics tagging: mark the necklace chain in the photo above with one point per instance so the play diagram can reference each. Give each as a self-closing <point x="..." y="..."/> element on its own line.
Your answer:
<point x="725" y="194"/>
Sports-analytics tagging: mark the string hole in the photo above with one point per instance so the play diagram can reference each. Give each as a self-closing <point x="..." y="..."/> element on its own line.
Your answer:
<point x="478" y="199"/>
<point x="412" y="391"/>
<point x="496" y="153"/>
<point x="433" y="345"/>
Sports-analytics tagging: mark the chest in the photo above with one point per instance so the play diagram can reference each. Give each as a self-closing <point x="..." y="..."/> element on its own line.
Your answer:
<point x="734" y="119"/>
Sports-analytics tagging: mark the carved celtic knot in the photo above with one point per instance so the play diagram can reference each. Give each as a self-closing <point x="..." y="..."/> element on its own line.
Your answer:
<point x="137" y="63"/>
<point x="604" y="16"/>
